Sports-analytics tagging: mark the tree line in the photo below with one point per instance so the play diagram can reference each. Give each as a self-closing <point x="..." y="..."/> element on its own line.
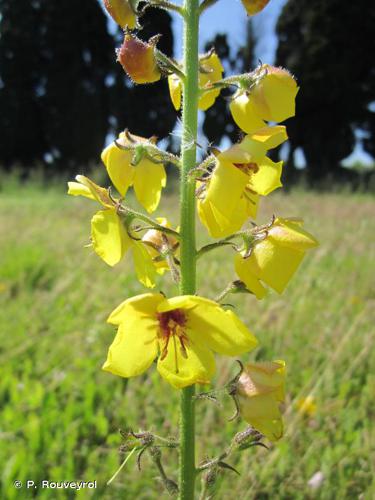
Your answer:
<point x="61" y="93"/>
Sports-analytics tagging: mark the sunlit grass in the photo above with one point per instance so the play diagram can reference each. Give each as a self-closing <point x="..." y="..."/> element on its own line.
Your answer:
<point x="60" y="414"/>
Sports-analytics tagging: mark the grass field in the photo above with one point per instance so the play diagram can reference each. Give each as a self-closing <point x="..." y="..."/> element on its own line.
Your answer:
<point x="60" y="414"/>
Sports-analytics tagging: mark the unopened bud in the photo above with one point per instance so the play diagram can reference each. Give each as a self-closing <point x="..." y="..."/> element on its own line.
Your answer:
<point x="138" y="59"/>
<point x="157" y="239"/>
<point x="122" y="12"/>
<point x="259" y="392"/>
<point x="254" y="6"/>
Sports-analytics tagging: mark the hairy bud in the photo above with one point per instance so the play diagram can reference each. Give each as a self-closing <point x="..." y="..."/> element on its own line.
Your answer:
<point x="138" y="59"/>
<point x="254" y="6"/>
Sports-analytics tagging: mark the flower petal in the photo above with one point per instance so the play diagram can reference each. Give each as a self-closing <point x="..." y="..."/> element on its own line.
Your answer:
<point x="208" y="219"/>
<point x="118" y="165"/>
<point x="144" y="267"/>
<point x="274" y="96"/>
<point x="219" y="226"/>
<point x="175" y="90"/>
<point x="245" y="273"/>
<point x="149" y="179"/>
<point x="144" y="304"/>
<point x="258" y="143"/>
<point x="214" y="73"/>
<point x="267" y="177"/>
<point x="264" y="377"/>
<point x="259" y="390"/>
<point x="210" y="325"/>
<point x="220" y="330"/>
<point x="245" y="114"/>
<point x="263" y="413"/>
<point x="290" y="233"/>
<point x="77" y="189"/>
<point x="275" y="264"/>
<point x="99" y="193"/>
<point x="226" y="187"/>
<point x="135" y="346"/>
<point x="254" y="146"/>
<point x="109" y="238"/>
<point x="197" y="366"/>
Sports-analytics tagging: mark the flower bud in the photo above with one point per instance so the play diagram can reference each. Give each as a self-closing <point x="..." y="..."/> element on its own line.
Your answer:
<point x="254" y="6"/>
<point x="155" y="237"/>
<point x="259" y="392"/>
<point x="122" y="12"/>
<point x="157" y="242"/>
<point x="138" y="59"/>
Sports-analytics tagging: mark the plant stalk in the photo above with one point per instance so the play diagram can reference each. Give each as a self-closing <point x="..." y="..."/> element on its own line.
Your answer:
<point x="187" y="229"/>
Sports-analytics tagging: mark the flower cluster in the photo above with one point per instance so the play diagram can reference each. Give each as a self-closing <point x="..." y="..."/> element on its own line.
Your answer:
<point x="183" y="333"/>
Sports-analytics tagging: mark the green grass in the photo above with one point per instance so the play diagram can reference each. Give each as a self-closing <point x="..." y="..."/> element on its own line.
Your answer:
<point x="60" y="414"/>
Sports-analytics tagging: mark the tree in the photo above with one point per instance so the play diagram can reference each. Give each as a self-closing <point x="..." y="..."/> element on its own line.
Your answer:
<point x="329" y="46"/>
<point x="59" y="94"/>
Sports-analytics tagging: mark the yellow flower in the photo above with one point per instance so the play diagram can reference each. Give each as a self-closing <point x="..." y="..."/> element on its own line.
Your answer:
<point x="122" y="12"/>
<point x="307" y="406"/>
<point x="183" y="332"/>
<point x="147" y="178"/>
<point x="138" y="59"/>
<point x="110" y="239"/>
<point x="211" y="70"/>
<point x="242" y="174"/>
<point x="157" y="242"/>
<point x="275" y="258"/>
<point x="254" y="6"/>
<point x="259" y="392"/>
<point x="271" y="98"/>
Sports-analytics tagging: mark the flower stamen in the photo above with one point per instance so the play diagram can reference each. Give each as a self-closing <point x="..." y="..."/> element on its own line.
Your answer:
<point x="172" y="325"/>
<point x="247" y="168"/>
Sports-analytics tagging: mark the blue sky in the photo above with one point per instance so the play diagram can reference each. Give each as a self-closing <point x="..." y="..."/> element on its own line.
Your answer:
<point x="229" y="16"/>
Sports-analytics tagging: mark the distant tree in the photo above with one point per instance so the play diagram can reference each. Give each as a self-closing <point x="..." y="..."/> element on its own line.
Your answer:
<point x="330" y="47"/>
<point x="21" y="119"/>
<point x="61" y="90"/>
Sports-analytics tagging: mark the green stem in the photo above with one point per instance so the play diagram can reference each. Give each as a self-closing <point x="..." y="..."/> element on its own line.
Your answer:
<point x="187" y="229"/>
<point x="138" y="215"/>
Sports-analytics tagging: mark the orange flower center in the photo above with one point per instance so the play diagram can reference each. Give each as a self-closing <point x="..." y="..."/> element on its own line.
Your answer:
<point x="247" y="168"/>
<point x="172" y="325"/>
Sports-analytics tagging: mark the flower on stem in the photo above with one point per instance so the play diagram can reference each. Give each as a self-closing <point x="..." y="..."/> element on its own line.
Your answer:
<point x="254" y="6"/>
<point x="182" y="332"/>
<point x="133" y="166"/>
<point x="271" y="96"/>
<point x="159" y="245"/>
<point x="123" y="12"/>
<point x="138" y="59"/>
<point x="110" y="234"/>
<point x="210" y="71"/>
<point x="242" y="174"/>
<point x="275" y="256"/>
<point x="259" y="392"/>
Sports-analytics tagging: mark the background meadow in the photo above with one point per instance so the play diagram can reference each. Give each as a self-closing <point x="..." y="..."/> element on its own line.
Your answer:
<point x="62" y="99"/>
<point x="60" y="414"/>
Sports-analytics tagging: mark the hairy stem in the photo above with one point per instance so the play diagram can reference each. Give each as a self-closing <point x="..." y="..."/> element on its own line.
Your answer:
<point x="187" y="231"/>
